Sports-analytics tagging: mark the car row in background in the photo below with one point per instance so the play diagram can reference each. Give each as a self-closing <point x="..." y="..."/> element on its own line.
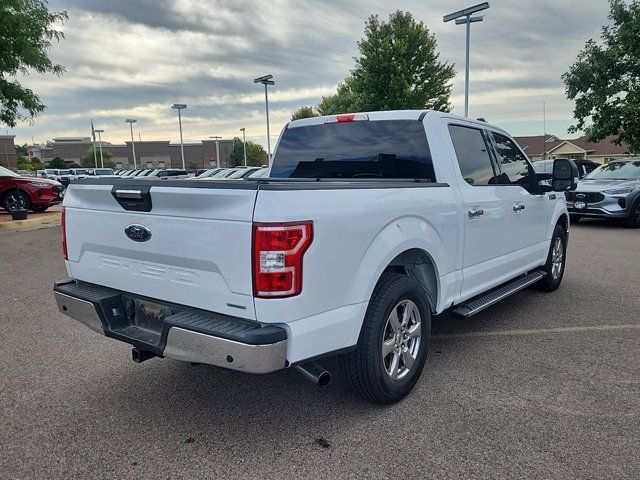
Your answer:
<point x="234" y="173"/>
<point x="18" y="192"/>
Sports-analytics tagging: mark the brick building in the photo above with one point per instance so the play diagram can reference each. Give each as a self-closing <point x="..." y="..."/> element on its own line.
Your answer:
<point x="8" y="155"/>
<point x="149" y="154"/>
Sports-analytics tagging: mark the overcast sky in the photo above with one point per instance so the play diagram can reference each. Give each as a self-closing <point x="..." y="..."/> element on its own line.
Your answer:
<point x="134" y="58"/>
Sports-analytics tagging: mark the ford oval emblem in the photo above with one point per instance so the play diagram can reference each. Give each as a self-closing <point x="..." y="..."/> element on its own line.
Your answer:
<point x="138" y="233"/>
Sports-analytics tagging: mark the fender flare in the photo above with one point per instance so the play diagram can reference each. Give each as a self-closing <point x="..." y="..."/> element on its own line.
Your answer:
<point x="395" y="238"/>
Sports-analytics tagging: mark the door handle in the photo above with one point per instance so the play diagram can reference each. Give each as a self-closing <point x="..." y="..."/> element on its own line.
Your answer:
<point x="475" y="213"/>
<point x="518" y="207"/>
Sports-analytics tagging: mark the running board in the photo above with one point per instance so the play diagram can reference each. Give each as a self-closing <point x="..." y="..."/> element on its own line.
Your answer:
<point x="492" y="297"/>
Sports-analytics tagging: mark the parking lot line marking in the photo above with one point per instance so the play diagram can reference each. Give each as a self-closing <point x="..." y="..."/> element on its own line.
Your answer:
<point x="540" y="331"/>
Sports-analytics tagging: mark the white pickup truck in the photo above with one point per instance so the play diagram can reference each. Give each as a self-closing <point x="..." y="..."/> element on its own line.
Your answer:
<point x="367" y="225"/>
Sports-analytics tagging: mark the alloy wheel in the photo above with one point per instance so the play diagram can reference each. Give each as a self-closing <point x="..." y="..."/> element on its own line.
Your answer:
<point x="401" y="339"/>
<point x="557" y="257"/>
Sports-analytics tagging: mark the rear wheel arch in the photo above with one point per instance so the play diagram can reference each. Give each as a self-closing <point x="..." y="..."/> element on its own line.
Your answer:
<point x="418" y="264"/>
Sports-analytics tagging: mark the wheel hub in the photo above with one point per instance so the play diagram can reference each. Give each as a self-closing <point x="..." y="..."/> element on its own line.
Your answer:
<point x="401" y="339"/>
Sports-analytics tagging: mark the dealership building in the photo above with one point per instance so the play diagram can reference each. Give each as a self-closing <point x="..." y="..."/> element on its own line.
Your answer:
<point x="149" y="154"/>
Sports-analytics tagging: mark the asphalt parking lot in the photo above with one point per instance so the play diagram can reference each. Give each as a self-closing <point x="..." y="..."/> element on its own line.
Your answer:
<point x="541" y="386"/>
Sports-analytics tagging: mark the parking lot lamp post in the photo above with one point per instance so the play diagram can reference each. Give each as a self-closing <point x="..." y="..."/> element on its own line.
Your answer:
<point x="463" y="17"/>
<point x="266" y="80"/>
<point x="131" y="121"/>
<point x="179" y="107"/>
<point x="216" y="138"/>
<point x="99" y="131"/>
<point x="244" y="145"/>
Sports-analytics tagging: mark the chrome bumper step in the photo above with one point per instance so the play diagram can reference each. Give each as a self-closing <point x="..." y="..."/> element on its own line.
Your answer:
<point x="477" y="304"/>
<point x="184" y="333"/>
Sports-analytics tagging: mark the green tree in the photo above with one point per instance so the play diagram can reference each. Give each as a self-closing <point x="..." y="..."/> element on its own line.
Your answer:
<point x="604" y="81"/>
<point x="22" y="150"/>
<point x="57" y="162"/>
<point x="398" y="68"/>
<point x="88" y="161"/>
<point x="304" y="112"/>
<point x="27" y="32"/>
<point x="256" y="154"/>
<point x="343" y="101"/>
<point x="192" y="165"/>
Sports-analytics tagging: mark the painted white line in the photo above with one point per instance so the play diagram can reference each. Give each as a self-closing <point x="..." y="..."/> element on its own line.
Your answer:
<point x="540" y="331"/>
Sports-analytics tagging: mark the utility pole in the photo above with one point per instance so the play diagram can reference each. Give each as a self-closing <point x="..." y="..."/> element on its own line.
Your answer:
<point x="99" y="131"/>
<point x="266" y="80"/>
<point x="244" y="145"/>
<point x="216" y="138"/>
<point x="179" y="107"/>
<point x="131" y="121"/>
<point x="463" y="17"/>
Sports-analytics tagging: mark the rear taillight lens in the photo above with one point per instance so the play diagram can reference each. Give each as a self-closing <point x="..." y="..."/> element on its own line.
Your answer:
<point x="278" y="249"/>
<point x="64" y="235"/>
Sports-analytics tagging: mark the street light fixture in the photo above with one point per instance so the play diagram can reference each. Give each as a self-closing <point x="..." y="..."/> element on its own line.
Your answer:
<point x="131" y="121"/>
<point x="216" y="138"/>
<point x="244" y="145"/>
<point x="266" y="80"/>
<point x="463" y="17"/>
<point x="99" y="131"/>
<point x="179" y="107"/>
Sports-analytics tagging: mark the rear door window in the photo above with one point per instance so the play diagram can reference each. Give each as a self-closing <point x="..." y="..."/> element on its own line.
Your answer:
<point x="358" y="149"/>
<point x="473" y="155"/>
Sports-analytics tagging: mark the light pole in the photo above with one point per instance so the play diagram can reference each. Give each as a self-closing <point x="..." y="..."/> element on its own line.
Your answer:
<point x="463" y="17"/>
<point x="244" y="145"/>
<point x="131" y="121"/>
<point x="216" y="138"/>
<point x="180" y="106"/>
<point x="99" y="131"/>
<point x="93" y="136"/>
<point x="266" y="80"/>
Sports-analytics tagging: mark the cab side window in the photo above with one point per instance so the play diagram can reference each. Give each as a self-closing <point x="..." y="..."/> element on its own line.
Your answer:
<point x="514" y="167"/>
<point x="473" y="155"/>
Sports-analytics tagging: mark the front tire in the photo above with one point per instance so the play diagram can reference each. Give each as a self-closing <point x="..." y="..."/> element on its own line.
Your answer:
<point x="393" y="343"/>
<point x="556" y="261"/>
<point x="16" y="200"/>
<point x="634" y="219"/>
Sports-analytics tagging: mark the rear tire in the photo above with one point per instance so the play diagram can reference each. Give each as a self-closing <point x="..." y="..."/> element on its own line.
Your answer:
<point x="556" y="261"/>
<point x="634" y="219"/>
<point x="393" y="343"/>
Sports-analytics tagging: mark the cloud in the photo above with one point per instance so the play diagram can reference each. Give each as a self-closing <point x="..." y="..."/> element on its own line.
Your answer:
<point x="136" y="58"/>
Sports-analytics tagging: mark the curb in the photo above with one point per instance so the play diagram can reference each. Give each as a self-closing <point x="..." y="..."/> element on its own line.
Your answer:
<point x="48" y="220"/>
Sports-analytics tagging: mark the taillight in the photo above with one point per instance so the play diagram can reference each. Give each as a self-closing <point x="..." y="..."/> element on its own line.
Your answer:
<point x="64" y="235"/>
<point x="278" y="249"/>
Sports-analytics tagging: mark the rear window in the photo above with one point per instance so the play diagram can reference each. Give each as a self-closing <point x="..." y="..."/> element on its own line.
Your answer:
<point x="360" y="149"/>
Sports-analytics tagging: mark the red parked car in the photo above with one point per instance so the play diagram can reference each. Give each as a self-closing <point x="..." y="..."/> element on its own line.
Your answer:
<point x="30" y="193"/>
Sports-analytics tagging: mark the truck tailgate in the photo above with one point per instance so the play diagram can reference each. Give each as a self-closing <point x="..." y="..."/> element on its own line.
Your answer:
<point x="198" y="252"/>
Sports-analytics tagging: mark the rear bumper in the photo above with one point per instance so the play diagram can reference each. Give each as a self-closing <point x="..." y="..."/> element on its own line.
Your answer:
<point x="185" y="334"/>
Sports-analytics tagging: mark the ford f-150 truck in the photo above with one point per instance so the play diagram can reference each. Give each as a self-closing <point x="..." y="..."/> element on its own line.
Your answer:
<point x="367" y="225"/>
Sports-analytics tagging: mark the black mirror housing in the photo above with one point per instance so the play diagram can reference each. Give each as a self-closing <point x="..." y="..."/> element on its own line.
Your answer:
<point x="565" y="175"/>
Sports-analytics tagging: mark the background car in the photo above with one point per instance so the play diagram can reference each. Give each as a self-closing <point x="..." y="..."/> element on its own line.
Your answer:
<point x="260" y="173"/>
<point x="103" y="172"/>
<point x="209" y="173"/>
<point x="28" y="193"/>
<point x="59" y="175"/>
<point x="584" y="166"/>
<point x="26" y="173"/>
<point x="242" y="172"/>
<point x="610" y="191"/>
<point x="168" y="173"/>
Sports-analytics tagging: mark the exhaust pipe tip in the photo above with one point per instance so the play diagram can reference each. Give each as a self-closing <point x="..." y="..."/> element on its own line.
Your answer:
<point x="315" y="373"/>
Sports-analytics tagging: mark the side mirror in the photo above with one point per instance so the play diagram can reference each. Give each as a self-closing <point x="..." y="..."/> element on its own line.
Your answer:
<point x="565" y="175"/>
